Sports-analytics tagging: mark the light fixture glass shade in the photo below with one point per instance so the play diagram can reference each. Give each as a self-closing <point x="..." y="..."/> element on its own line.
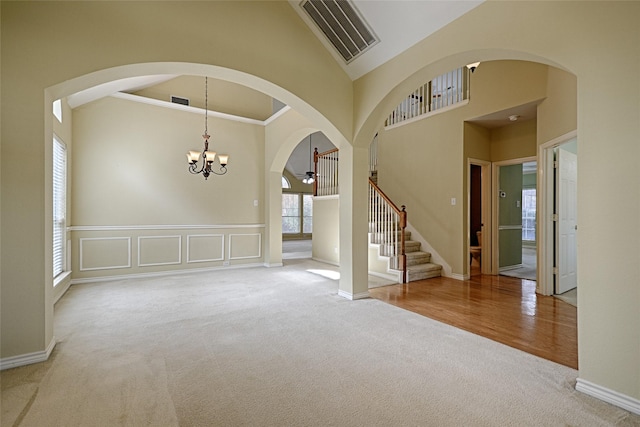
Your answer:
<point x="308" y="179"/>
<point x="211" y="155"/>
<point x="224" y="159"/>
<point x="193" y="156"/>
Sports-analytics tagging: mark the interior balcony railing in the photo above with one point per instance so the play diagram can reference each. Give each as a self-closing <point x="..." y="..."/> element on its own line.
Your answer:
<point x="387" y="225"/>
<point x="443" y="91"/>
<point x="326" y="172"/>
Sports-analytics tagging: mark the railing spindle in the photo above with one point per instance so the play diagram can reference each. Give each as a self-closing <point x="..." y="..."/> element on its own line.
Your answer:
<point x="388" y="229"/>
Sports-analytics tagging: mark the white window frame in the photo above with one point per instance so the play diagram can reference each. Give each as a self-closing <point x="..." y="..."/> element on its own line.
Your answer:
<point x="302" y="218"/>
<point x="59" y="216"/>
<point x="527" y="230"/>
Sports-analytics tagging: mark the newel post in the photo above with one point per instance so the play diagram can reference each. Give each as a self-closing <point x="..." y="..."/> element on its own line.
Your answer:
<point x="403" y="256"/>
<point x="315" y="171"/>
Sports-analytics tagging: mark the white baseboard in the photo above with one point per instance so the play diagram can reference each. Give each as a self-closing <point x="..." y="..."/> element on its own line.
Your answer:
<point x="350" y="296"/>
<point x="273" y="264"/>
<point x="391" y="275"/>
<point x="457" y="276"/>
<point x="325" y="261"/>
<point x="618" y="399"/>
<point x="162" y="273"/>
<point x="29" y="358"/>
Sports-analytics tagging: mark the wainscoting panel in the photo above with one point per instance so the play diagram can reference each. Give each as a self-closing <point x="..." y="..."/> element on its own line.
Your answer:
<point x="243" y="246"/>
<point x="205" y="247"/>
<point x="159" y="250"/>
<point x="100" y="253"/>
<point x="104" y="253"/>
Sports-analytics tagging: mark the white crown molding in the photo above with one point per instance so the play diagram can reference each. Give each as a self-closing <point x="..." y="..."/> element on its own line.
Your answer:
<point x="190" y="109"/>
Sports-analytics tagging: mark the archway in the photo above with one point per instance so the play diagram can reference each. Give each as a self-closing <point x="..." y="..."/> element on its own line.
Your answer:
<point x="281" y="134"/>
<point x="451" y="152"/>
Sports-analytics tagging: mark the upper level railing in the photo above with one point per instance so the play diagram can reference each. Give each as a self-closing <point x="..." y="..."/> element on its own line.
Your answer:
<point x="387" y="225"/>
<point x="373" y="159"/>
<point x="326" y="172"/>
<point x="443" y="91"/>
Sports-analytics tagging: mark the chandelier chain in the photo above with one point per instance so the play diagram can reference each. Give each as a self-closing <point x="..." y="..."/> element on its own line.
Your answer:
<point x="206" y="104"/>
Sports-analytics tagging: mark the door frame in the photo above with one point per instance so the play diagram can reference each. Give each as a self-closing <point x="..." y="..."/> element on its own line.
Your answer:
<point x="495" y="174"/>
<point x="486" y="218"/>
<point x="544" y="213"/>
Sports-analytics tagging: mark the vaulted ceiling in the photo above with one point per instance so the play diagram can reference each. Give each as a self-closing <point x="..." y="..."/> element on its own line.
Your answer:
<point x="397" y="25"/>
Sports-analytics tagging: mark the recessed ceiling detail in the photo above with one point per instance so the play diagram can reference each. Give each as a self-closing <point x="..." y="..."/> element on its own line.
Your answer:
<point x="343" y="26"/>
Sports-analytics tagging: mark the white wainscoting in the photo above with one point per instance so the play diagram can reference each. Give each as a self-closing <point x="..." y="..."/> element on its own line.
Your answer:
<point x="114" y="251"/>
<point x="205" y="247"/>
<point x="245" y="246"/>
<point x="159" y="250"/>
<point x="104" y="253"/>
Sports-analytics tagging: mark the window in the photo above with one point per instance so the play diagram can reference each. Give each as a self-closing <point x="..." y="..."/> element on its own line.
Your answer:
<point x="297" y="213"/>
<point x="59" y="205"/>
<point x="285" y="183"/>
<point x="57" y="109"/>
<point x="529" y="214"/>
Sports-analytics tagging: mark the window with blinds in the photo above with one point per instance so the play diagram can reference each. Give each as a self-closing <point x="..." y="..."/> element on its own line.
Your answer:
<point x="59" y="205"/>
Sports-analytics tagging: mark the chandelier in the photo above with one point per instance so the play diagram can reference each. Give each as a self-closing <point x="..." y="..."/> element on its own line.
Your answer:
<point x="208" y="157"/>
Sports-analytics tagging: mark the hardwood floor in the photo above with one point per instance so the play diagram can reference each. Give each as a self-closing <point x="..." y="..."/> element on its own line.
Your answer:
<point x="504" y="309"/>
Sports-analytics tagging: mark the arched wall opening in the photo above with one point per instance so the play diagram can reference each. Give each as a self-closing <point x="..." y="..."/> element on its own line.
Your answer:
<point x="281" y="135"/>
<point x="551" y="91"/>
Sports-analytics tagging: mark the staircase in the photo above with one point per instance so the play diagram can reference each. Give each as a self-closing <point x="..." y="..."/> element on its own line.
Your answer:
<point x="419" y="265"/>
<point x="387" y="231"/>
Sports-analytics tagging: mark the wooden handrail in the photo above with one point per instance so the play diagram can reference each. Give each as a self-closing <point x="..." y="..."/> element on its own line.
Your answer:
<point x="402" y="223"/>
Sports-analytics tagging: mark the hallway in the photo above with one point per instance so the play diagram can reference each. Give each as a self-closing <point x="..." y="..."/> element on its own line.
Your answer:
<point x="503" y="309"/>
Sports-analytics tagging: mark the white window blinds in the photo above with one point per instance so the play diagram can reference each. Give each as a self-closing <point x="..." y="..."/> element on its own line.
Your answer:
<point x="59" y="205"/>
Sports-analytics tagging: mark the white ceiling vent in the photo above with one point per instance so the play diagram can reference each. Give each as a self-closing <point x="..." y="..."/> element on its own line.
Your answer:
<point x="343" y="26"/>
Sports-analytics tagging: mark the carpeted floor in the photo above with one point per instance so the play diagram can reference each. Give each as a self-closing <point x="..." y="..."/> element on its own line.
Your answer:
<point x="279" y="347"/>
<point x="528" y="268"/>
<point x="296" y="249"/>
<point x="570" y="297"/>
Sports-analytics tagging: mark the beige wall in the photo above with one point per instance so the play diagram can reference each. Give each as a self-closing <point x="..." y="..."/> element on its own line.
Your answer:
<point x="326" y="229"/>
<point x="431" y="154"/>
<point x="130" y="167"/>
<point x="516" y="141"/>
<point x="594" y="41"/>
<point x="134" y="199"/>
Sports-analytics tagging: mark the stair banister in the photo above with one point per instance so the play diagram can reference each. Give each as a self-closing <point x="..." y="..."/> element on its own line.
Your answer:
<point x="384" y="220"/>
<point x="326" y="172"/>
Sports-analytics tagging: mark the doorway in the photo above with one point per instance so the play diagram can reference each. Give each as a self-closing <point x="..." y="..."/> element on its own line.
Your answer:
<point x="557" y="234"/>
<point x="479" y="226"/>
<point x="515" y="206"/>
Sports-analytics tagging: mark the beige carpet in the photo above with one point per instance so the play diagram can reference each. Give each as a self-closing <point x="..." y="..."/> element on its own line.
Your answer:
<point x="570" y="297"/>
<point x="528" y="268"/>
<point x="296" y="249"/>
<point x="278" y="347"/>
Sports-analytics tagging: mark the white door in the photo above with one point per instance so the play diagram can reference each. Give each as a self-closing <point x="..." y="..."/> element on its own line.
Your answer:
<point x="567" y="226"/>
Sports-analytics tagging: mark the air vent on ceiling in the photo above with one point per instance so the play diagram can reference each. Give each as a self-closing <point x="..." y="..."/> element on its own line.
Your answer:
<point x="342" y="24"/>
<point x="179" y="100"/>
